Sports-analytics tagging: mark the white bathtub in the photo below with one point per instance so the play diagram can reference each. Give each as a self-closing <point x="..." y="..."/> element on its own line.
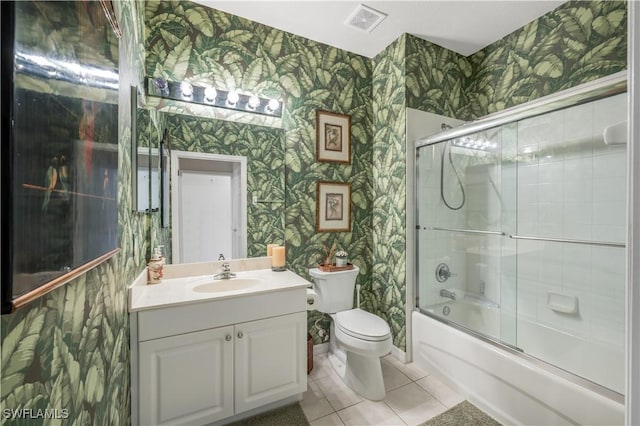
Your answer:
<point x="511" y="388"/>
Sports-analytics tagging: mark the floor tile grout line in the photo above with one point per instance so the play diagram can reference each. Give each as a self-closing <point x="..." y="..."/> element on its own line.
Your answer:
<point x="396" y="413"/>
<point x="435" y="397"/>
<point x="398" y="369"/>
<point x="329" y="401"/>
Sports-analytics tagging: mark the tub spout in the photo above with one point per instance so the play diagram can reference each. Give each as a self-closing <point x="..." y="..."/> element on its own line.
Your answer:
<point x="449" y="294"/>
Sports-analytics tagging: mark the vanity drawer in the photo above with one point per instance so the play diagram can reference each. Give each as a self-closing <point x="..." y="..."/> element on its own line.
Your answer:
<point x="173" y="320"/>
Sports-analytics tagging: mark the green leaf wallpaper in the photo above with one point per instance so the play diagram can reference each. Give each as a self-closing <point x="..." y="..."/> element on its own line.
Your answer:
<point x="236" y="53"/>
<point x="578" y="42"/>
<point x="70" y="349"/>
<point x="386" y="296"/>
<point x="436" y="79"/>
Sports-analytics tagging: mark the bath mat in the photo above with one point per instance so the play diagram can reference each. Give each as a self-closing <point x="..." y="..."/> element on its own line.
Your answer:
<point x="289" y="415"/>
<point x="465" y="414"/>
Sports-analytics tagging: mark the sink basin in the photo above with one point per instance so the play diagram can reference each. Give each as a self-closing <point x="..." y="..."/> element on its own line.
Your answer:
<point x="232" y="284"/>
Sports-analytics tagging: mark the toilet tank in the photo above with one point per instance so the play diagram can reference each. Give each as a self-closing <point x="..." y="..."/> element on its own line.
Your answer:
<point x="334" y="289"/>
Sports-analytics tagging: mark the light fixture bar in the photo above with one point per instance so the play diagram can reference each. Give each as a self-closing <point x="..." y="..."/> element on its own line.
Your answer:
<point x="182" y="91"/>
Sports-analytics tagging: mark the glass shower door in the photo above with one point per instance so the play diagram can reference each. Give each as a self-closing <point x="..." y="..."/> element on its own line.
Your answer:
<point x="522" y="236"/>
<point x="466" y="201"/>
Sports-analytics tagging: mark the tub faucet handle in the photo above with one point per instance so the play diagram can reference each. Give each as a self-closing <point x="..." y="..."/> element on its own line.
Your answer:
<point x="443" y="273"/>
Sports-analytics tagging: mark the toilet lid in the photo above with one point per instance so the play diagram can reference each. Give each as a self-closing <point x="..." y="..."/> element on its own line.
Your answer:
<point x="362" y="325"/>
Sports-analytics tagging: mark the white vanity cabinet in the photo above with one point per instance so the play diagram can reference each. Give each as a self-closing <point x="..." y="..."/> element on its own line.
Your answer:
<point x="187" y="378"/>
<point x="208" y="361"/>
<point x="268" y="357"/>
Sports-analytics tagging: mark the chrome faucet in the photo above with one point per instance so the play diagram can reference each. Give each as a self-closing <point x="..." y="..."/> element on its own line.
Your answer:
<point x="225" y="273"/>
<point x="449" y="294"/>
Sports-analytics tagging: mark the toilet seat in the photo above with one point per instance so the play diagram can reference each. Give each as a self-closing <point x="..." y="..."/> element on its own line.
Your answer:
<point x="362" y="325"/>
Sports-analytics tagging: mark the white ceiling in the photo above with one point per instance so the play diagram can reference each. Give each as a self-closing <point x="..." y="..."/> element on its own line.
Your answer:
<point x="462" y="26"/>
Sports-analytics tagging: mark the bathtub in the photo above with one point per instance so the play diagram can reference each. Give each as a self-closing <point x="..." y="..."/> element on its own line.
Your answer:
<point x="513" y="388"/>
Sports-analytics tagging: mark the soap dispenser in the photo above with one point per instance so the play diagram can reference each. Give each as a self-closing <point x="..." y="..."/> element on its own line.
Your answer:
<point x="155" y="267"/>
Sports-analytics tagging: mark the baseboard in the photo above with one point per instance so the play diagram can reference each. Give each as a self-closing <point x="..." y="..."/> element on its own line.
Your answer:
<point x="399" y="354"/>
<point x="322" y="348"/>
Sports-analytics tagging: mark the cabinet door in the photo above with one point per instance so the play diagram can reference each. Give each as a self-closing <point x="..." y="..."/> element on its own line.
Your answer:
<point x="187" y="379"/>
<point x="271" y="361"/>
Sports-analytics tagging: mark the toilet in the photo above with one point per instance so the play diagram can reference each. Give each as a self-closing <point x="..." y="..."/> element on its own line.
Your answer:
<point x="358" y="338"/>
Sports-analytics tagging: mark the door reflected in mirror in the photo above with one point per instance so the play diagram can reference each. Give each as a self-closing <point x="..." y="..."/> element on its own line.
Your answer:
<point x="210" y="207"/>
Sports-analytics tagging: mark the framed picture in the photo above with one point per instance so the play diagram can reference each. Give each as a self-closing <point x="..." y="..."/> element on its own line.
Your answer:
<point x="60" y="193"/>
<point x="333" y="207"/>
<point x="333" y="137"/>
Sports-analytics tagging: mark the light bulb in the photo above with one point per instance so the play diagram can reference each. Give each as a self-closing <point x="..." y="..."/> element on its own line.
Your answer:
<point x="210" y="94"/>
<point x="254" y="102"/>
<point x="233" y="97"/>
<point x="162" y="85"/>
<point x="273" y="105"/>
<point x="186" y="89"/>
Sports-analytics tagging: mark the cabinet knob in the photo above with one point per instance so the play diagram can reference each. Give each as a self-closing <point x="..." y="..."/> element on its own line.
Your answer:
<point x="227" y="338"/>
<point x="240" y="334"/>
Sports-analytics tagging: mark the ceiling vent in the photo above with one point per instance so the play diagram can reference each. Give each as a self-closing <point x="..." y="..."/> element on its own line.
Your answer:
<point x="365" y="18"/>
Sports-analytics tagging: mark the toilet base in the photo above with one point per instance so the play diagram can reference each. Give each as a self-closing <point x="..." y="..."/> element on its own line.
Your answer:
<point x="362" y="374"/>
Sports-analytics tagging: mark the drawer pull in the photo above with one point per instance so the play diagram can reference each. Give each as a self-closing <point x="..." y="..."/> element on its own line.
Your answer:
<point x="240" y="334"/>
<point x="227" y="338"/>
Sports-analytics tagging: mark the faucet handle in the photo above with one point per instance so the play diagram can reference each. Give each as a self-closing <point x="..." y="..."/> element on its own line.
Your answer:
<point x="221" y="257"/>
<point x="443" y="273"/>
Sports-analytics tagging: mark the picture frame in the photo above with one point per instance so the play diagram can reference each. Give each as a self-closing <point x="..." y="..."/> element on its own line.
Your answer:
<point x="333" y="137"/>
<point x="60" y="189"/>
<point x="333" y="207"/>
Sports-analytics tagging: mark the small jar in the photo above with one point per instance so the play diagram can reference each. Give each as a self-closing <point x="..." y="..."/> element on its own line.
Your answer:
<point x="341" y="258"/>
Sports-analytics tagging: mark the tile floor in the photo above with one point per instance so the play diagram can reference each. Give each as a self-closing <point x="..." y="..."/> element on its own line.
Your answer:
<point x="413" y="397"/>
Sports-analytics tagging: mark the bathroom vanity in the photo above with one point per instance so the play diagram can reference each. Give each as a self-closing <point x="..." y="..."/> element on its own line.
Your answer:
<point x="206" y="351"/>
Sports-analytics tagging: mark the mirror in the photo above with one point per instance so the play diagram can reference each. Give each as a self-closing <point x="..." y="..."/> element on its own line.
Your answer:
<point x="145" y="177"/>
<point x="165" y="170"/>
<point x="263" y="148"/>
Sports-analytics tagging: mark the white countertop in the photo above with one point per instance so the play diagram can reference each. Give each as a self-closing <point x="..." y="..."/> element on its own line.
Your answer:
<point x="177" y="287"/>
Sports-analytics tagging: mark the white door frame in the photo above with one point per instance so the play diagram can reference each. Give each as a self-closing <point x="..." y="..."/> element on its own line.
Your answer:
<point x="632" y="415"/>
<point x="240" y="237"/>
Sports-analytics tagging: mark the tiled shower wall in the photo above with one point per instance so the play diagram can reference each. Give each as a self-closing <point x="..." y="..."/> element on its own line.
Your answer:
<point x="572" y="185"/>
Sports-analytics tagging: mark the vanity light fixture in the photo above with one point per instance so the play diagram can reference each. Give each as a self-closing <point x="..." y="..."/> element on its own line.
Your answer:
<point x="208" y="95"/>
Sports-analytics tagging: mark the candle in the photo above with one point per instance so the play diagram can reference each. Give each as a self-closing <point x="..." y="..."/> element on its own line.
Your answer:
<point x="270" y="248"/>
<point x="278" y="258"/>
